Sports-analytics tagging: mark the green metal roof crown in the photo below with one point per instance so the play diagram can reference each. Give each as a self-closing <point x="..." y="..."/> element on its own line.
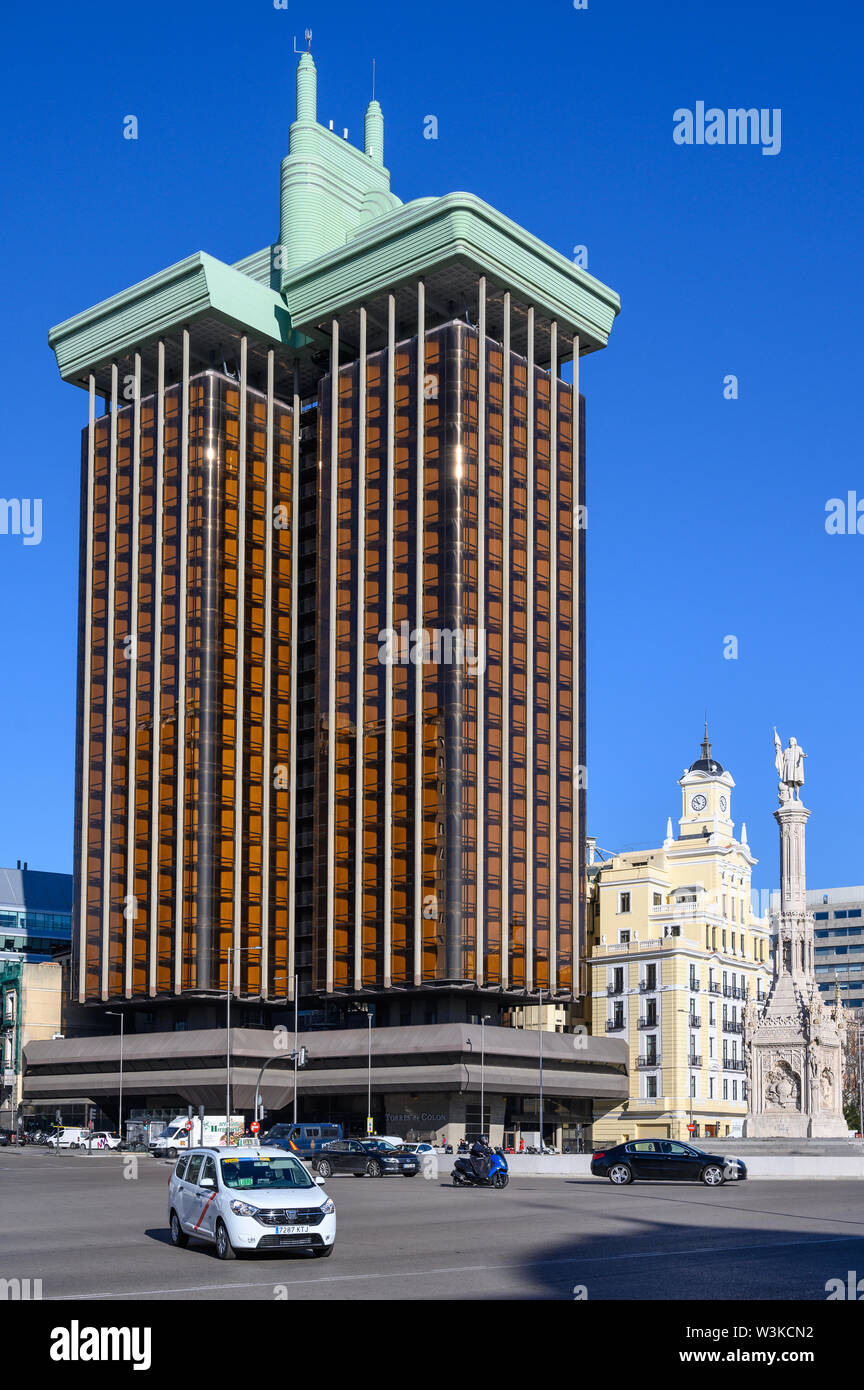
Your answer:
<point x="344" y="238"/>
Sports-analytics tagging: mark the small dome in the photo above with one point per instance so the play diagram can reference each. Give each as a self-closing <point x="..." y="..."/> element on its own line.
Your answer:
<point x="706" y="763"/>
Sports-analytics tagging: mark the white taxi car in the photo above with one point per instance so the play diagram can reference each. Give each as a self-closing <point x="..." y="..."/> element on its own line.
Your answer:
<point x="249" y="1199"/>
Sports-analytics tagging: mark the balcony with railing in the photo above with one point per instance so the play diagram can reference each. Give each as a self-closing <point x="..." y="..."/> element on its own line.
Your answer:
<point x="649" y="1061"/>
<point x="614" y="1025"/>
<point x="694" y="1060"/>
<point x="733" y="1064"/>
<point x="615" y="988"/>
<point x="648" y="986"/>
<point x="648" y="1022"/>
<point x="730" y="1027"/>
<point x="694" y="1021"/>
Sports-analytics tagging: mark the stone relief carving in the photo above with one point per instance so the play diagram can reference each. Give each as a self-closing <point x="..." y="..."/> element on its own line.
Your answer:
<point x="783" y="1087"/>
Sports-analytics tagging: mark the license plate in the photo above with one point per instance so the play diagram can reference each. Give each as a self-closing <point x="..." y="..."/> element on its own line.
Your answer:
<point x="290" y="1230"/>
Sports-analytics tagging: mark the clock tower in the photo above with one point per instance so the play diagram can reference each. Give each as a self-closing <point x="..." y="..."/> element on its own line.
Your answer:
<point x="706" y="791"/>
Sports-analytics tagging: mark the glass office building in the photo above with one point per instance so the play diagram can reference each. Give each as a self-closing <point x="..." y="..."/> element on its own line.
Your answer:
<point x="331" y="718"/>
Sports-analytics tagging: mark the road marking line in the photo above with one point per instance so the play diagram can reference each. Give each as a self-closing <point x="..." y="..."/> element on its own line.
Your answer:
<point x="467" y="1269"/>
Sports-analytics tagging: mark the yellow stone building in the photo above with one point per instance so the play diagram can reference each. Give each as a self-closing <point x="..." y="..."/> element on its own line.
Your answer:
<point x="674" y="952"/>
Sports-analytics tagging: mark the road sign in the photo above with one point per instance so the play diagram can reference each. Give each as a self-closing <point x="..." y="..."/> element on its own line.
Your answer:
<point x="254" y="1126"/>
<point x="188" y="1126"/>
<point x="691" y="1129"/>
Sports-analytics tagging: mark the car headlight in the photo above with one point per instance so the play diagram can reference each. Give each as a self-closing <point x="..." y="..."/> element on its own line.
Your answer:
<point x="328" y="1207"/>
<point x="242" y="1208"/>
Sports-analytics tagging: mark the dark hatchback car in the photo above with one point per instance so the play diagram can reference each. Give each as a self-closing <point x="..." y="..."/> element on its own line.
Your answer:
<point x="664" y="1159"/>
<point x="365" y="1159"/>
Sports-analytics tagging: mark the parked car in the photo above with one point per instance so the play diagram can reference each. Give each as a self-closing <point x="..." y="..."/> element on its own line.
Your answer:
<point x="664" y="1159"/>
<point x="249" y="1199"/>
<point x="365" y="1158"/>
<point x="423" y="1148"/>
<point x="103" y="1139"/>
<point x="302" y="1139"/>
<point x="392" y="1141"/>
<point x="4" y="1138"/>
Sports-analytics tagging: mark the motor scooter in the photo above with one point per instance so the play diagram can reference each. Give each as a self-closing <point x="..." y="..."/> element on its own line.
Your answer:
<point x="498" y="1176"/>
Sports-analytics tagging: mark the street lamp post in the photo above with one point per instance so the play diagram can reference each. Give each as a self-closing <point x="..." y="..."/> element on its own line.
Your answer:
<point x="369" y="1070"/>
<point x="231" y="950"/>
<point x="115" y="1013"/>
<point x="690" y="1079"/>
<point x="540" y="1020"/>
<point x="484" y="1020"/>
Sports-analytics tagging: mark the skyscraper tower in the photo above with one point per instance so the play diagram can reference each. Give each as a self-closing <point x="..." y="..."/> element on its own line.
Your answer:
<point x="331" y="718"/>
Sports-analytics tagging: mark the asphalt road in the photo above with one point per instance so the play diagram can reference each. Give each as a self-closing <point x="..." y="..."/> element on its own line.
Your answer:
<point x="90" y="1233"/>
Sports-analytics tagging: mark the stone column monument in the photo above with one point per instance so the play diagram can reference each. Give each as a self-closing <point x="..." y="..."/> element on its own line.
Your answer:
<point x="793" y="1049"/>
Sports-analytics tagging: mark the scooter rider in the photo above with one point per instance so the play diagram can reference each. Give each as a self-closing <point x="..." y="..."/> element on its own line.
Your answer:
<point x="481" y="1157"/>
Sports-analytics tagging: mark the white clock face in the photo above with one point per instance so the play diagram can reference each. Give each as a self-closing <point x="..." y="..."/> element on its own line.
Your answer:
<point x="723" y="804"/>
<point x="699" y="802"/>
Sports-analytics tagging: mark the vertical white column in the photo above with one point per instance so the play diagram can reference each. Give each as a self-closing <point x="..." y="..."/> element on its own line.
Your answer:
<point x="110" y="642"/>
<point x="388" y="669"/>
<point x="240" y="674"/>
<point x="419" y="467"/>
<point x="360" y="640"/>
<point x="553" y="658"/>
<point x="530" y="711"/>
<point x="182" y="693"/>
<point x="505" y="658"/>
<point x="480" y="693"/>
<point x="295" y="705"/>
<point x="267" y="771"/>
<point x="331" y="641"/>
<point x="576" y="694"/>
<point x="155" y="783"/>
<point x="131" y="904"/>
<point x="86" y="695"/>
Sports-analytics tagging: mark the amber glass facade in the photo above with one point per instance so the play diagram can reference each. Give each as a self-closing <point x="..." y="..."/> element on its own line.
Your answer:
<point x="173" y="576"/>
<point x="443" y="810"/>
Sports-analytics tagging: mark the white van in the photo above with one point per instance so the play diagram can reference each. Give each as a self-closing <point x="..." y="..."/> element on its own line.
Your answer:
<point x="70" y="1137"/>
<point x="176" y="1137"/>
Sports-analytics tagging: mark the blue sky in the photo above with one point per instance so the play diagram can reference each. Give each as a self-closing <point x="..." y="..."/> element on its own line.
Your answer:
<point x="706" y="516"/>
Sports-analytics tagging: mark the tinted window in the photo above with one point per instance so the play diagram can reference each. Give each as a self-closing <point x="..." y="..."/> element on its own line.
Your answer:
<point x="644" y="1146"/>
<point x="354" y="1147"/>
<point x="337" y="1148"/>
<point x="194" y="1167"/>
<point x="181" y="1166"/>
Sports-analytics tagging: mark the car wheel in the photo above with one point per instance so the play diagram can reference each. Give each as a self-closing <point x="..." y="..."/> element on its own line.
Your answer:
<point x="620" y="1174"/>
<point x="712" y="1176"/>
<point x="322" y="1252"/>
<point x="373" y="1168"/>
<point x="178" y="1235"/>
<point x="224" y="1249"/>
<point x="171" y="1153"/>
<point x="324" y="1168"/>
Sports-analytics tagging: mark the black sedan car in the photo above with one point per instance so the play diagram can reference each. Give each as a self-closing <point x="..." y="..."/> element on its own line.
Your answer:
<point x="365" y="1158"/>
<point x="664" y="1159"/>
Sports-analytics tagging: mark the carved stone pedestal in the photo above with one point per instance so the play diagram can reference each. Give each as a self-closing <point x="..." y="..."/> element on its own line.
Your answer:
<point x="793" y="1050"/>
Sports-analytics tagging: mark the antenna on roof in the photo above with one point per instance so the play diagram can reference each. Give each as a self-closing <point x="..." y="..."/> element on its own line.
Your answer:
<point x="373" y="79"/>
<point x="308" y="37"/>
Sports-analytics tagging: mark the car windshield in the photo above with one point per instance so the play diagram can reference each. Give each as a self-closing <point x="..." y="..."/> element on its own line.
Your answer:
<point x="170" y="1132"/>
<point x="256" y="1174"/>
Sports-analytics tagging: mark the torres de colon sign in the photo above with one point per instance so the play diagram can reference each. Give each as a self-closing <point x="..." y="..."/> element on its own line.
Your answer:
<point x="793" y="1049"/>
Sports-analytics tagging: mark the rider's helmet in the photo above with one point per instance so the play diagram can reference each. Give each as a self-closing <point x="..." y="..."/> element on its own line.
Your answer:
<point x="484" y="1139"/>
